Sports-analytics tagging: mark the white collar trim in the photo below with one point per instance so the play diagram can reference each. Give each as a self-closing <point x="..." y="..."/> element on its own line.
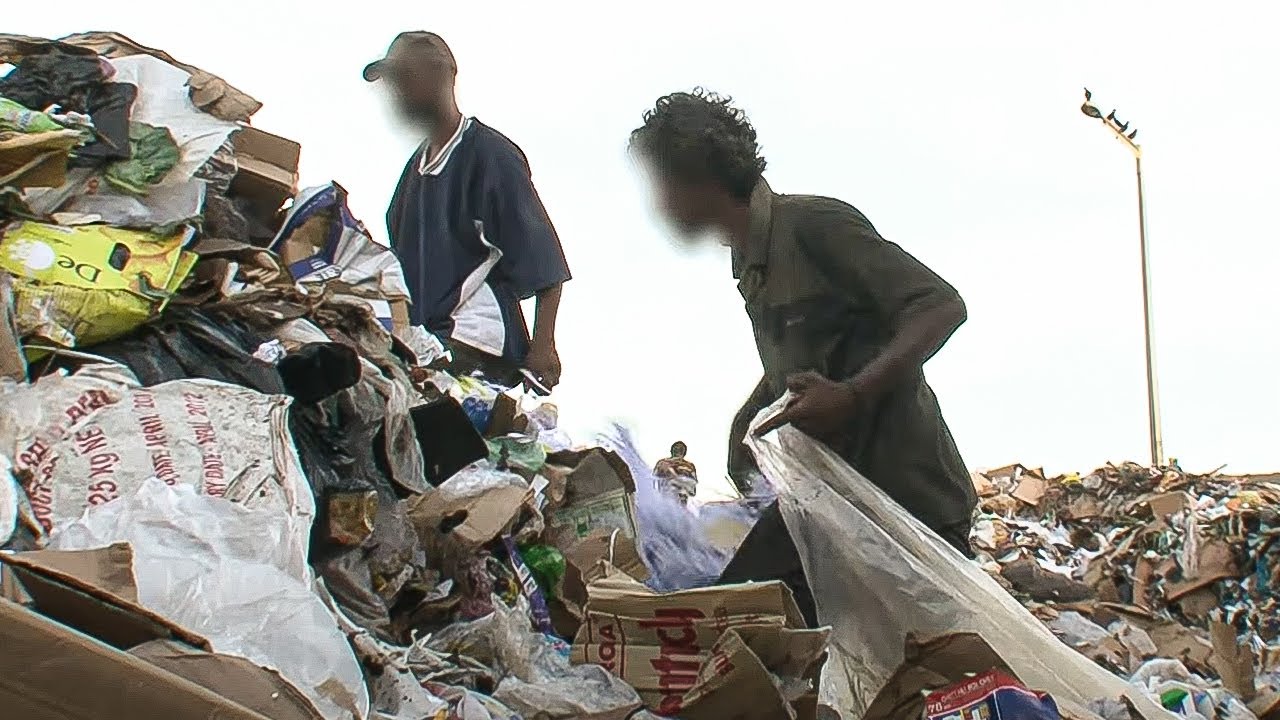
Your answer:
<point x="434" y="166"/>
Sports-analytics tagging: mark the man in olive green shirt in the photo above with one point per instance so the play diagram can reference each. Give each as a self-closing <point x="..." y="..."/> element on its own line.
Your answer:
<point x="843" y="318"/>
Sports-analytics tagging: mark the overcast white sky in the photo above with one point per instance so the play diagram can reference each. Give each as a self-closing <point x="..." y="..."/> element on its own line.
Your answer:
<point x="954" y="126"/>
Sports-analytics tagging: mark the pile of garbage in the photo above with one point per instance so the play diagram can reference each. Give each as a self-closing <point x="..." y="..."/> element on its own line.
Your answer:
<point x="1165" y="576"/>
<point x="237" y="483"/>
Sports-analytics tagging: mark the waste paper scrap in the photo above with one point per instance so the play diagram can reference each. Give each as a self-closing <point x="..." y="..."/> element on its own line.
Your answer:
<point x="1165" y="576"/>
<point x="236" y="483"/>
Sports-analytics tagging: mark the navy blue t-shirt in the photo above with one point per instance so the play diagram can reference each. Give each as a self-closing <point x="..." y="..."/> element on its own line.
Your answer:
<point x="474" y="240"/>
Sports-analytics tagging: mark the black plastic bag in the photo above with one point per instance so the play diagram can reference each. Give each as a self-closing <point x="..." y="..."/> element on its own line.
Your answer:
<point x="315" y="371"/>
<point x="188" y="343"/>
<point x="54" y="76"/>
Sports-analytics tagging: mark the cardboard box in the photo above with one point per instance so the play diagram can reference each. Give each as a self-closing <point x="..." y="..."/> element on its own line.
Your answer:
<point x="36" y="160"/>
<point x="85" y="630"/>
<point x="52" y="672"/>
<point x="92" y="591"/>
<point x="268" y="175"/>
<point x="938" y="663"/>
<point x="759" y="672"/>
<point x="662" y="643"/>
<point x="614" y="510"/>
<point x="599" y="495"/>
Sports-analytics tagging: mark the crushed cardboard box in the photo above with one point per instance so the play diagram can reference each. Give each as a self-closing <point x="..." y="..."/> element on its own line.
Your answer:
<point x="599" y="494"/>
<point x="88" y="284"/>
<point x="267" y="174"/>
<point x="660" y="642"/>
<point x="117" y="654"/>
<point x="937" y="663"/>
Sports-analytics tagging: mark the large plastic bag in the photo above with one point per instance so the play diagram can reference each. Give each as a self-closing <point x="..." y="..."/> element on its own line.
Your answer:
<point x="10" y="499"/>
<point x="878" y="574"/>
<point x="88" y="438"/>
<point x="226" y="573"/>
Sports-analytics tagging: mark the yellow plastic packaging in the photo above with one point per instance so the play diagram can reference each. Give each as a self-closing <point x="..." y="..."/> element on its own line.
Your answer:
<point x="77" y="286"/>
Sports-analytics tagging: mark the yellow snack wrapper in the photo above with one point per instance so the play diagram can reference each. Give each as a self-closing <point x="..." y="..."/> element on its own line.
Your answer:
<point x="77" y="286"/>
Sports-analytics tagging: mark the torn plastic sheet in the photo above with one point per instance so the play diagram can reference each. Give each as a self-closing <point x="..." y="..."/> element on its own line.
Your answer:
<point x="224" y="572"/>
<point x="164" y="205"/>
<point x="165" y="101"/>
<point x="10" y="497"/>
<point x="877" y="574"/>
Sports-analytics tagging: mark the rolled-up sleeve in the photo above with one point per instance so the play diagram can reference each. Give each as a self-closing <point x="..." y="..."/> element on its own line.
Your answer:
<point x="516" y="222"/>
<point x="871" y="269"/>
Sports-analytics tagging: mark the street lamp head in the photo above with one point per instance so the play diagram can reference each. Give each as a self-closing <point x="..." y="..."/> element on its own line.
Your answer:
<point x="1114" y="124"/>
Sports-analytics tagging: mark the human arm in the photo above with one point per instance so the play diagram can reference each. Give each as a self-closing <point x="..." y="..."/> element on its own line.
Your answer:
<point x="742" y="466"/>
<point x="544" y="359"/>
<point x="533" y="264"/>
<point x="919" y="309"/>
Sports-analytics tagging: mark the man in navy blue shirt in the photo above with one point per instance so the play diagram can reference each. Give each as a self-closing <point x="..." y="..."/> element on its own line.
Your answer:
<point x="468" y="226"/>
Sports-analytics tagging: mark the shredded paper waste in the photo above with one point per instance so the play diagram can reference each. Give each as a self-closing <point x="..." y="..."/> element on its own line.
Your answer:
<point x="236" y="482"/>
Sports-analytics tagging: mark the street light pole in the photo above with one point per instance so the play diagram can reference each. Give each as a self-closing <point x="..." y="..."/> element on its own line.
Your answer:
<point x="1120" y="129"/>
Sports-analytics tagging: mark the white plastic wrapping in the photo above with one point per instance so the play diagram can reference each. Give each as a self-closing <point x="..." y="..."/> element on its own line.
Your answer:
<point x="164" y="100"/>
<point x="227" y="573"/>
<point x="537" y="680"/>
<point x="10" y="496"/>
<point x="878" y="574"/>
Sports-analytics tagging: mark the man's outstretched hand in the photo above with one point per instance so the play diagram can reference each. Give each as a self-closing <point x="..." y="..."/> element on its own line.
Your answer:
<point x="820" y="407"/>
<point x="544" y="362"/>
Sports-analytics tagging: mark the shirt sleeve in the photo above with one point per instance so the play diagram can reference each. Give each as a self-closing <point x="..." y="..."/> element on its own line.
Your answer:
<point x="516" y="222"/>
<point x="873" y="270"/>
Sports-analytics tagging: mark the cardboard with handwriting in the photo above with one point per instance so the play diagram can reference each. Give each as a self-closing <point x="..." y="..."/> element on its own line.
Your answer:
<point x="759" y="672"/>
<point x="659" y="642"/>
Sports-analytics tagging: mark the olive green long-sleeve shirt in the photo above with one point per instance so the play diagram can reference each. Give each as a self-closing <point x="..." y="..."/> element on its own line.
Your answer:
<point x="825" y="293"/>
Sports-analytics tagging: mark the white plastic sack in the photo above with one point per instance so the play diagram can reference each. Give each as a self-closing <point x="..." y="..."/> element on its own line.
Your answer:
<point x="878" y="574"/>
<point x="94" y="436"/>
<point x="10" y="494"/>
<point x="225" y="572"/>
<point x="164" y="100"/>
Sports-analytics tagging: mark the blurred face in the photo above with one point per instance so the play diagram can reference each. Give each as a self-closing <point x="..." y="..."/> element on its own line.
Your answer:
<point x="687" y="206"/>
<point x="421" y="93"/>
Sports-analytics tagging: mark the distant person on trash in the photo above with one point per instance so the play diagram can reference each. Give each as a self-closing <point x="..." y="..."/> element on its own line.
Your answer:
<point x="676" y="475"/>
<point x="843" y="318"/>
<point x="468" y="225"/>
